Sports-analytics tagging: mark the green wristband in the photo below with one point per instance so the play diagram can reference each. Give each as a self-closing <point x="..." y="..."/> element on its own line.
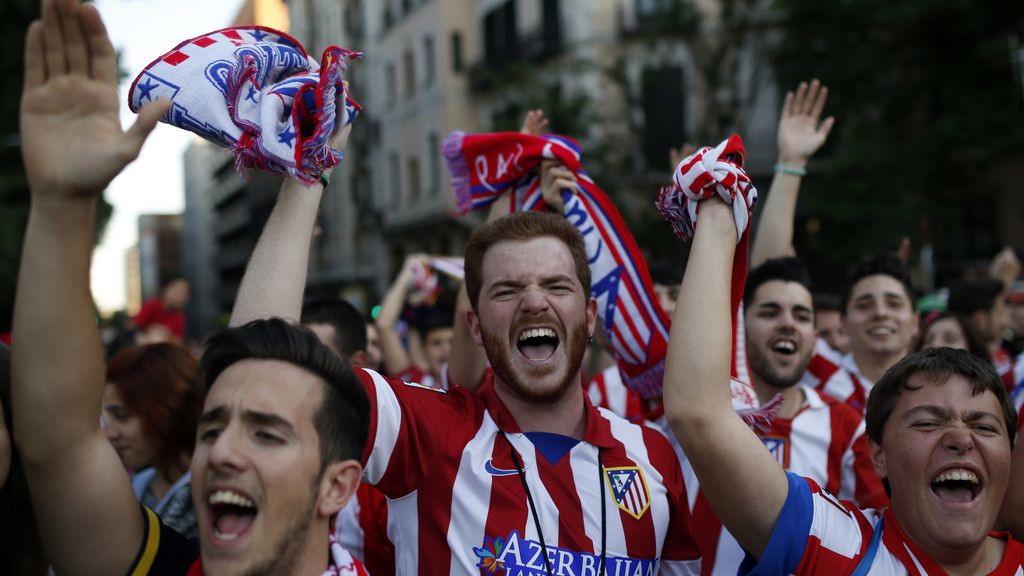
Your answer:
<point x="790" y="170"/>
<point x="324" y="180"/>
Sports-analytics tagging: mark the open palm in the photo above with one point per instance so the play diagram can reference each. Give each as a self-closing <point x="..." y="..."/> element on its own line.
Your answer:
<point x="800" y="134"/>
<point x="72" y="141"/>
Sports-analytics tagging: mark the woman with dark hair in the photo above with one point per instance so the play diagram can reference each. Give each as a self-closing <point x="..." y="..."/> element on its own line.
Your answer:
<point x="21" y="552"/>
<point x="151" y="406"/>
<point x="953" y="331"/>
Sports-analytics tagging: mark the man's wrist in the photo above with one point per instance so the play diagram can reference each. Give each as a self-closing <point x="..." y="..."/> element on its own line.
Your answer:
<point x="794" y="162"/>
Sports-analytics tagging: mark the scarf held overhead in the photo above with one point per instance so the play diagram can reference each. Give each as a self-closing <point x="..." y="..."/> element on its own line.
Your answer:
<point x="485" y="166"/>
<point x="256" y="91"/>
<point x="719" y="172"/>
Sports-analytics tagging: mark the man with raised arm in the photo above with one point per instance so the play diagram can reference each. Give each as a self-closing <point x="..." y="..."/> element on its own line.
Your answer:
<point x="269" y="472"/>
<point x="524" y="474"/>
<point x="940" y="425"/>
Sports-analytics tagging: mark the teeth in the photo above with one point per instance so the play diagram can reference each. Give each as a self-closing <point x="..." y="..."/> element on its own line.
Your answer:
<point x="232" y="498"/>
<point x="958" y="474"/>
<point x="881" y="331"/>
<point x="537" y="333"/>
<point x="227" y="537"/>
<point x="785" y="345"/>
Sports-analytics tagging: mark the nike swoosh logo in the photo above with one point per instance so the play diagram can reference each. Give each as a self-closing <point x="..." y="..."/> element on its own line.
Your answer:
<point x="490" y="468"/>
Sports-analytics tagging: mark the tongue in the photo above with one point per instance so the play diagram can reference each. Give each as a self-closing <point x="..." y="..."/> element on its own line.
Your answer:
<point x="233" y="524"/>
<point x="537" y="352"/>
<point x="953" y="492"/>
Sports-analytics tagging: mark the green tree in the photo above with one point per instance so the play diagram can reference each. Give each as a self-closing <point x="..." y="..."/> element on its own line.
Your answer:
<point x="928" y="109"/>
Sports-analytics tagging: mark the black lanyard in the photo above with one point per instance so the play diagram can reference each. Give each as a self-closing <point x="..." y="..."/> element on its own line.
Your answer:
<point x="536" y="517"/>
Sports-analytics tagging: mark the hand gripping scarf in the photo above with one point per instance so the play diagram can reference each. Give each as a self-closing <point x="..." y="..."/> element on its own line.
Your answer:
<point x="719" y="172"/>
<point x="256" y="91"/>
<point x="483" y="166"/>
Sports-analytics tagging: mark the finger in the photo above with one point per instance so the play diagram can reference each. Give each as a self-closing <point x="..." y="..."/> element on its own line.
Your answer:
<point x="787" y="105"/>
<point x="812" y="96"/>
<point x="103" y="59"/>
<point x="565" y="184"/>
<point x="819" y="102"/>
<point x="76" y="51"/>
<point x="56" y="64"/>
<point x="826" y="127"/>
<point x="35" y="56"/>
<point x="798" y="99"/>
<point x="137" y="134"/>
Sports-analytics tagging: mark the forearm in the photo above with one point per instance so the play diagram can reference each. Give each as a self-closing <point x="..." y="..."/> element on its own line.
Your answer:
<point x="396" y="359"/>
<point x="58" y="369"/>
<point x="697" y="365"/>
<point x="775" y="231"/>
<point x="275" y="277"/>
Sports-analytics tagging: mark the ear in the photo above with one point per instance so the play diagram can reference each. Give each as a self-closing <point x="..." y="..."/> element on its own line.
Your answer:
<point x="359" y="359"/>
<point x="591" y="315"/>
<point x="878" y="459"/>
<point x="337" y="486"/>
<point x="473" y="323"/>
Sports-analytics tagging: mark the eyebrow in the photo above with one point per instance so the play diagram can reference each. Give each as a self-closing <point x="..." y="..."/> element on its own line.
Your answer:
<point x="547" y="281"/>
<point x="220" y="414"/>
<point x="947" y="414"/>
<point x="871" y="296"/>
<point x="776" y="306"/>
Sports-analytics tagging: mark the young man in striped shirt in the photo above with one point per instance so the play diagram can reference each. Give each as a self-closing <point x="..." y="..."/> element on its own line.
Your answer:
<point x="813" y="435"/>
<point x="941" y="427"/>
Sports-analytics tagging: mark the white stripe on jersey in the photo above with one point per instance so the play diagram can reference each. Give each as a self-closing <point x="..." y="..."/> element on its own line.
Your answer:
<point x="389" y="422"/>
<point x="404" y="531"/>
<point x="469" y="519"/>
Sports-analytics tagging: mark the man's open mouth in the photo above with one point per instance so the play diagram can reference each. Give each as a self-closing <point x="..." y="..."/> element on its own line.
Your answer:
<point x="784" y="346"/>
<point x="537" y="344"/>
<point x="956" y="485"/>
<point x="231" y="514"/>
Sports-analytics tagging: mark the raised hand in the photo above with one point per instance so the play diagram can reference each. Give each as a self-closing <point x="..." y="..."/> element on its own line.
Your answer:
<point x="677" y="155"/>
<point x="72" y="141"/>
<point x="553" y="179"/>
<point x="800" y="135"/>
<point x="534" y="123"/>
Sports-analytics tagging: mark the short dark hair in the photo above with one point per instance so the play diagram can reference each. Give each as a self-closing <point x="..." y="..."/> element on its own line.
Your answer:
<point x="938" y="364"/>
<point x="884" y="264"/>
<point x="825" y="302"/>
<point x="342" y="420"/>
<point x="349" y="325"/>
<point x="969" y="296"/>
<point x="785" y="269"/>
<point x="666" y="273"/>
<point x="522" y="227"/>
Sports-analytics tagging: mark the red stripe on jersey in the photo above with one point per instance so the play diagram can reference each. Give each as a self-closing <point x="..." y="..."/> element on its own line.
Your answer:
<point x="707" y="531"/>
<point x="844" y="424"/>
<point x="572" y="532"/>
<point x="505" y="509"/>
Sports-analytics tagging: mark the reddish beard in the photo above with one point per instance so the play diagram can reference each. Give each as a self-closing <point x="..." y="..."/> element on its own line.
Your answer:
<point x="500" y="356"/>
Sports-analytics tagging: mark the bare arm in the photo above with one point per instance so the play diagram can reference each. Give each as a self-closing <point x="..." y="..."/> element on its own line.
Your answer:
<point x="396" y="358"/>
<point x="73" y="146"/>
<point x="744" y="484"/>
<point x="799" y="137"/>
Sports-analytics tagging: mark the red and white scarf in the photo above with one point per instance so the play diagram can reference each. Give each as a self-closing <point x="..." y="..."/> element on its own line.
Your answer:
<point x="256" y="91"/>
<point x="484" y="166"/>
<point x="719" y="172"/>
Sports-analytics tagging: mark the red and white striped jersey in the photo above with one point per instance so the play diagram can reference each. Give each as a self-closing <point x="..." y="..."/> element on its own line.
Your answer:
<point x="825" y="441"/>
<point x="818" y="534"/>
<point x="1018" y="401"/>
<point x="362" y="528"/>
<point x="446" y="460"/>
<point x="838" y="377"/>
<point x="607" y="390"/>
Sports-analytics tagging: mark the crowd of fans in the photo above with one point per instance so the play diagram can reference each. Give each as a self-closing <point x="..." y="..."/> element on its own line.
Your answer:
<point x="482" y="423"/>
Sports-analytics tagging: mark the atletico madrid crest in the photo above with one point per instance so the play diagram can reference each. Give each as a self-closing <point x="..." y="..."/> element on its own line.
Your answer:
<point x="629" y="489"/>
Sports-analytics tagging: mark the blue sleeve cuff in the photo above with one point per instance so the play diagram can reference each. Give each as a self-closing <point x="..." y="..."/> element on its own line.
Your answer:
<point x="789" y="538"/>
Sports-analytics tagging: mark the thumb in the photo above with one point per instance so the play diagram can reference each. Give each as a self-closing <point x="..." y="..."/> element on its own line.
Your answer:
<point x="144" y="124"/>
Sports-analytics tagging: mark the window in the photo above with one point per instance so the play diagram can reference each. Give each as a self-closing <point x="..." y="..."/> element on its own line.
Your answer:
<point x="391" y="83"/>
<point x="409" y="65"/>
<point x="413" y="165"/>
<point x="396" y="179"/>
<point x="664" y="123"/>
<point x="500" y="37"/>
<point x="456" y="40"/>
<point x="429" y="68"/>
<point x="434" y="156"/>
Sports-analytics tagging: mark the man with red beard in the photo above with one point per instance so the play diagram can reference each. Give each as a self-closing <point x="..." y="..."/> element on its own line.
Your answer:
<point x="523" y="474"/>
<point x="812" y="435"/>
